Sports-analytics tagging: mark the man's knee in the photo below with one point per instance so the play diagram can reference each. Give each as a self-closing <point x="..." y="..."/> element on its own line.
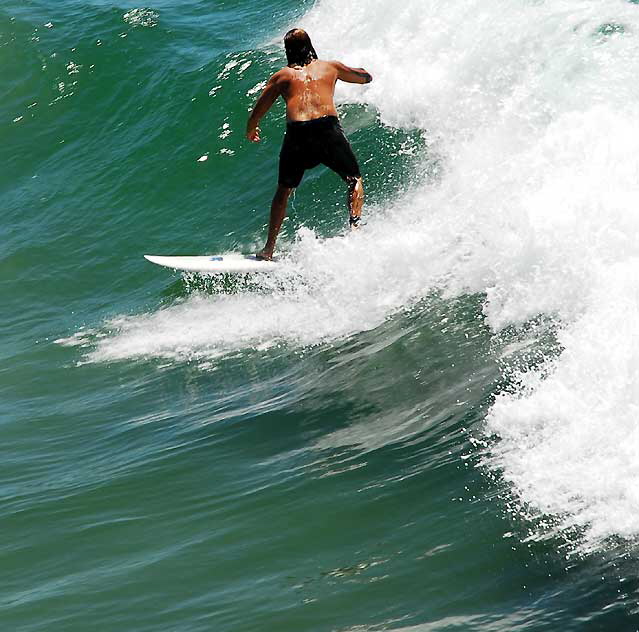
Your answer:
<point x="355" y="185"/>
<point x="283" y="191"/>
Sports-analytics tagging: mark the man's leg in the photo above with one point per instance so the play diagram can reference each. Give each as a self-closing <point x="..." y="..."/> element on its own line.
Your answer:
<point x="355" y="200"/>
<point x="278" y="213"/>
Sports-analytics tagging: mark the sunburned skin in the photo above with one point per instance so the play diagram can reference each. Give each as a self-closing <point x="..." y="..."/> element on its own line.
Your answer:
<point x="308" y="91"/>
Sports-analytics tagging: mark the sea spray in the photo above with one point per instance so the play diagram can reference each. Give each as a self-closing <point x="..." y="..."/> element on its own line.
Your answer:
<point x="534" y="109"/>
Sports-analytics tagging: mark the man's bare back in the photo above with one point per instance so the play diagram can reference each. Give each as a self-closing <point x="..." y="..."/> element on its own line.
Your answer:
<point x="307" y="90"/>
<point x="313" y="132"/>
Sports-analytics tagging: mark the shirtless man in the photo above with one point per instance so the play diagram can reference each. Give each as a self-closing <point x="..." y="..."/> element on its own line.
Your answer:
<point x="313" y="132"/>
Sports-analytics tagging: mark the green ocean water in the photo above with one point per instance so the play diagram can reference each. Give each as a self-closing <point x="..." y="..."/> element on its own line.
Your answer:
<point x="240" y="454"/>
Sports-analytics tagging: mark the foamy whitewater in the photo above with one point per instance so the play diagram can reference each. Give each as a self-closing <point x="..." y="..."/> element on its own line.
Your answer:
<point x="533" y="110"/>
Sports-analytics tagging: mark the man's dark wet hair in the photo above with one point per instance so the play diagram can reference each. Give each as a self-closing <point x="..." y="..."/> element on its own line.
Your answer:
<point x="299" y="49"/>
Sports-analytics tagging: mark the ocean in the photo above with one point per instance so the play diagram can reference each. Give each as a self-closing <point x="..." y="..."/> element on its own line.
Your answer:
<point x="429" y="424"/>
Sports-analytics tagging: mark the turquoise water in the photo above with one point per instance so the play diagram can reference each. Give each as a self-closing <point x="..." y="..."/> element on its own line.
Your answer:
<point x="428" y="425"/>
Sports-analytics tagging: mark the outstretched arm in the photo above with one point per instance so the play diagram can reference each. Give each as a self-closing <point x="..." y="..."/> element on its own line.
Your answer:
<point x="351" y="75"/>
<point x="262" y="106"/>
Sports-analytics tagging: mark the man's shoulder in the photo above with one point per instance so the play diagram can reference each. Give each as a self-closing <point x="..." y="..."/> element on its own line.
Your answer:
<point x="287" y="71"/>
<point x="279" y="78"/>
<point x="329" y="63"/>
<point x="281" y="73"/>
<point x="332" y="66"/>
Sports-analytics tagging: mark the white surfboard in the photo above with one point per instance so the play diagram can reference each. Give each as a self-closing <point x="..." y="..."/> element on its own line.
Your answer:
<point x="214" y="264"/>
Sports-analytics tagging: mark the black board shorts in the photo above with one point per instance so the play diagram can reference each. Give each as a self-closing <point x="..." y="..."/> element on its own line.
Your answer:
<point x="310" y="143"/>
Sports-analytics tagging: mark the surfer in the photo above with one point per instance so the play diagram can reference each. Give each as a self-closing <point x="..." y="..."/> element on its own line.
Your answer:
<point x="313" y="132"/>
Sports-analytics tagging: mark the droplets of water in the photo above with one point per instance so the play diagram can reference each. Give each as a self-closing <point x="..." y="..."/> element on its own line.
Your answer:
<point x="73" y="68"/>
<point x="224" y="73"/>
<point x="236" y="63"/>
<point x="256" y="88"/>
<point x="226" y="131"/>
<point x="141" y="17"/>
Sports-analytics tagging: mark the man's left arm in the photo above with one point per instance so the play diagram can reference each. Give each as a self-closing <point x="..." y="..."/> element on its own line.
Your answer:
<point x="351" y="75"/>
<point x="262" y="106"/>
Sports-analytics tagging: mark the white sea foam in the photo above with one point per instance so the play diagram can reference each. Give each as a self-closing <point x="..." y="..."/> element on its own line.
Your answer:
<point x="305" y="303"/>
<point x="533" y="108"/>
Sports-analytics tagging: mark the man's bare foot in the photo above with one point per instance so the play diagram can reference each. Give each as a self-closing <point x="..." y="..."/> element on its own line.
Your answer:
<point x="264" y="255"/>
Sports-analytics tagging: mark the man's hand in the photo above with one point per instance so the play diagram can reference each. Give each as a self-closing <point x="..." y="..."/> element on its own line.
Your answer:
<point x="253" y="133"/>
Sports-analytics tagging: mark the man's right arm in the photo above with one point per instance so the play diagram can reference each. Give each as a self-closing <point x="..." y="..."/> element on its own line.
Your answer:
<point x="351" y="75"/>
<point x="262" y="106"/>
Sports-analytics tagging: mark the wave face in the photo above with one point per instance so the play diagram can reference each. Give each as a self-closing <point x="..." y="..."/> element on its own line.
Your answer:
<point x="534" y="109"/>
<point x="526" y="192"/>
